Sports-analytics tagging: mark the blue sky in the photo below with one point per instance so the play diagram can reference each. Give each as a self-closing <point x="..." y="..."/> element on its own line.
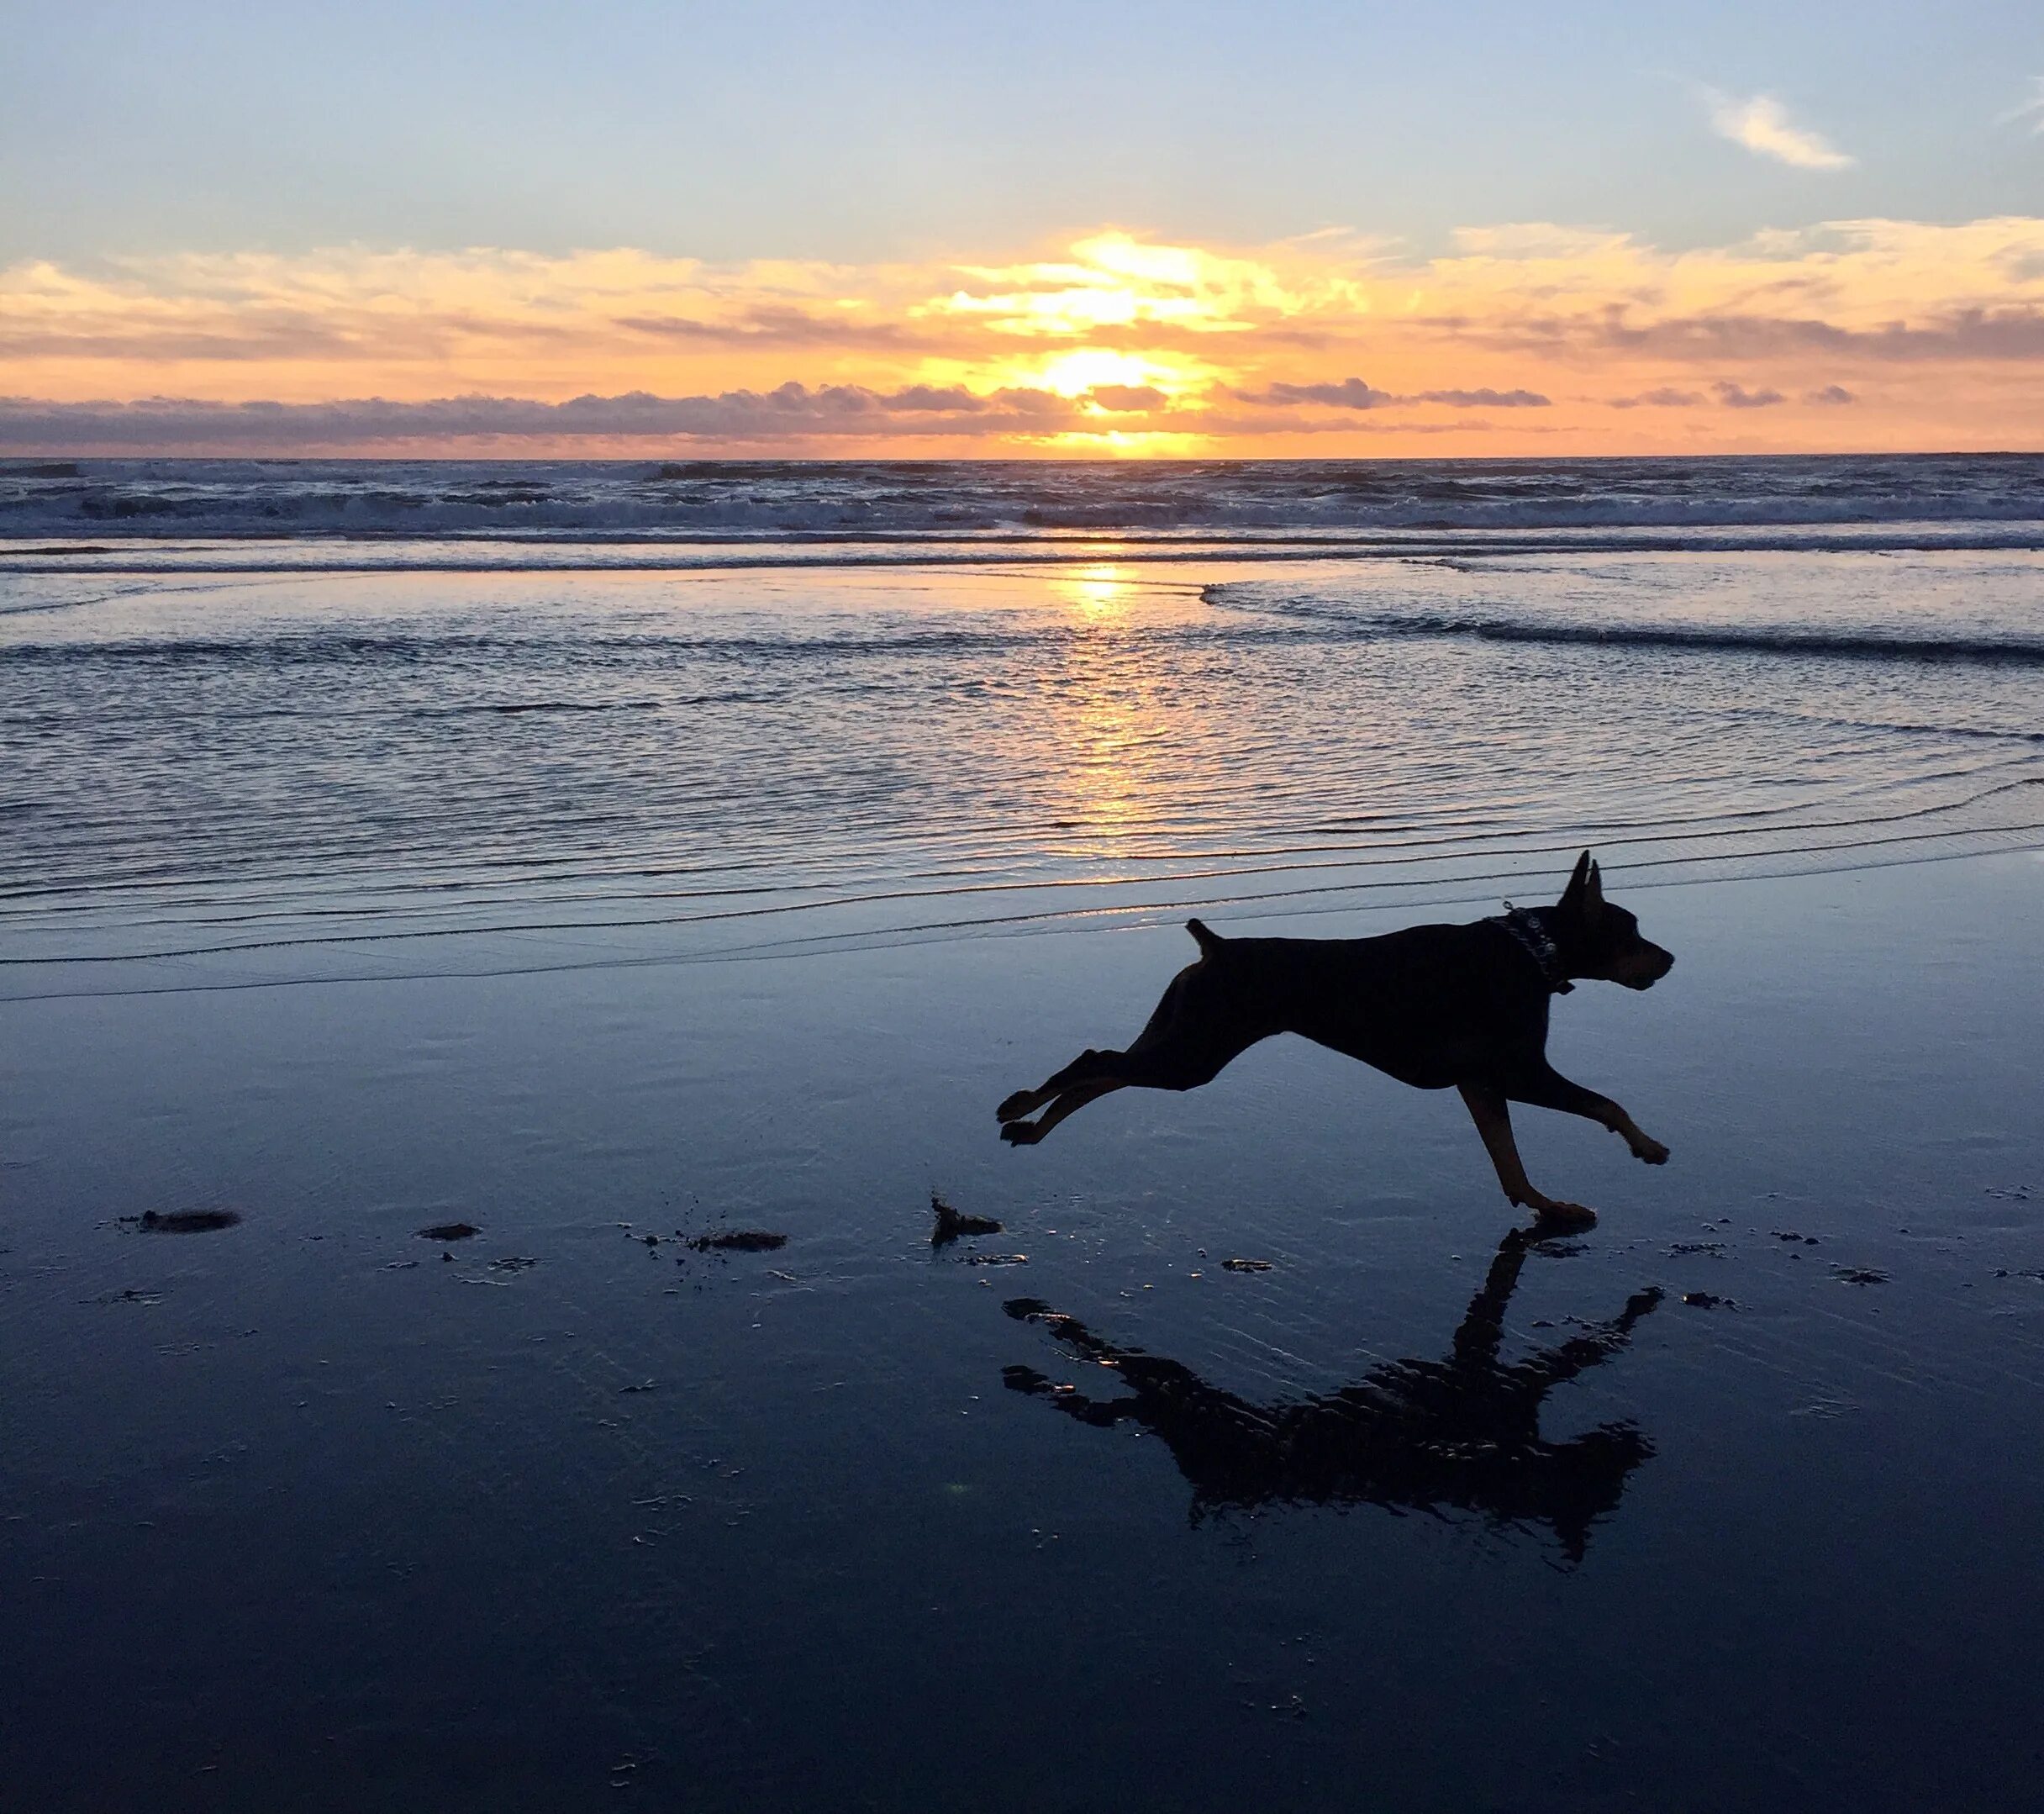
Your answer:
<point x="785" y="129"/>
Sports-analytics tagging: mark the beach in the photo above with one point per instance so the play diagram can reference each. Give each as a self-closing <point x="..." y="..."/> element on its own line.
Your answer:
<point x="612" y="893"/>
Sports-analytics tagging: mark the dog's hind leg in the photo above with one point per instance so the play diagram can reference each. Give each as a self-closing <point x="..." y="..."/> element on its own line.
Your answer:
<point x="1082" y="1071"/>
<point x="1167" y="1019"/>
<point x="1202" y="1021"/>
<point x="1020" y="1133"/>
<point x="1152" y="1062"/>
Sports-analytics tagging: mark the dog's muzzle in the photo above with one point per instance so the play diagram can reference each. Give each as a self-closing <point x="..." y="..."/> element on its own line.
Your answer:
<point x="1664" y="961"/>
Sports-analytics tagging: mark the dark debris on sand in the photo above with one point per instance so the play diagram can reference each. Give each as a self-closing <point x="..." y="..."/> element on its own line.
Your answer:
<point x="737" y="1241"/>
<point x="184" y="1221"/>
<point x="1245" y="1266"/>
<point x="1858" y="1275"/>
<point x="953" y="1224"/>
<point x="449" y="1231"/>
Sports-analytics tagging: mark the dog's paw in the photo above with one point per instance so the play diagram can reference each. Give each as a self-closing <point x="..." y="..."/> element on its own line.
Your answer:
<point x="1021" y="1133"/>
<point x="1014" y="1107"/>
<point x="1552" y="1213"/>
<point x="1651" y="1152"/>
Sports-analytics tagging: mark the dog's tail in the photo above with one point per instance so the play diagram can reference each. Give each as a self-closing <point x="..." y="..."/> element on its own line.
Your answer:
<point x="1208" y="940"/>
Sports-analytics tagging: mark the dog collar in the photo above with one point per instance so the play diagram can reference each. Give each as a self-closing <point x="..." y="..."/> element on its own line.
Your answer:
<point x="1537" y="942"/>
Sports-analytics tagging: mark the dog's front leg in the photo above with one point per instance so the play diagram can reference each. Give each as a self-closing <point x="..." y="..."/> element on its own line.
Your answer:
<point x="1543" y="1087"/>
<point x="1493" y="1115"/>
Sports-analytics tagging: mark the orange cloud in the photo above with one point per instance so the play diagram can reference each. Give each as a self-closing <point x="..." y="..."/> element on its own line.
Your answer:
<point x="1524" y="338"/>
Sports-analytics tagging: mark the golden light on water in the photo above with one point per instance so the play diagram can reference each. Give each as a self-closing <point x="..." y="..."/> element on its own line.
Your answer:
<point x="1109" y="721"/>
<point x="1105" y="779"/>
<point x="1097" y="591"/>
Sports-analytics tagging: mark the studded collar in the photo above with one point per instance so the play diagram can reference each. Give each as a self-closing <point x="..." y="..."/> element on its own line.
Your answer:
<point x="1526" y="926"/>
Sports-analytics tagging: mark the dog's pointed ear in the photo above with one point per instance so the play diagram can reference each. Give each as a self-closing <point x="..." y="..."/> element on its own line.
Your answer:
<point x="1575" y="897"/>
<point x="1593" y="893"/>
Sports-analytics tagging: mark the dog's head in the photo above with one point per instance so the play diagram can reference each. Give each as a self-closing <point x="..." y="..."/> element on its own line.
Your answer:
<point x="1597" y="940"/>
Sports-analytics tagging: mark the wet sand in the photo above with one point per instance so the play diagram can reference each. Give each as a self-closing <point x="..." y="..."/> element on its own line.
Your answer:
<point x="307" y="1512"/>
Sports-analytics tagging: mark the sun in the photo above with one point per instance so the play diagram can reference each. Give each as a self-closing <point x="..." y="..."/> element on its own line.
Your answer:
<point x="1127" y="443"/>
<point x="1086" y="368"/>
<point x="1083" y="369"/>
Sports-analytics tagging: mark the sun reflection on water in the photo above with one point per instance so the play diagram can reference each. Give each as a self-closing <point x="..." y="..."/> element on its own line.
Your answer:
<point x="1110" y="719"/>
<point x="1100" y="590"/>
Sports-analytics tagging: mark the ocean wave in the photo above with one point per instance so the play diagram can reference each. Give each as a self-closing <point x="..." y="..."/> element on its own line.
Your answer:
<point x="1463" y="551"/>
<point x="591" y="500"/>
<point x="1257" y="611"/>
<point x="2018" y="651"/>
<point x="312" y="648"/>
<point x="1340" y="610"/>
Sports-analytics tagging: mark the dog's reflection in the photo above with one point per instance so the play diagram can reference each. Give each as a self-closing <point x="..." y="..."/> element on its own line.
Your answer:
<point x="1462" y="1433"/>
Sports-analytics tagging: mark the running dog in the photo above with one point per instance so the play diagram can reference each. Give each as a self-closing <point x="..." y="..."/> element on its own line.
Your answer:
<point x="1432" y="1005"/>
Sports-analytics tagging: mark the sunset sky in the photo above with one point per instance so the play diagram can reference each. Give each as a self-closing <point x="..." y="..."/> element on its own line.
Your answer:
<point x="932" y="231"/>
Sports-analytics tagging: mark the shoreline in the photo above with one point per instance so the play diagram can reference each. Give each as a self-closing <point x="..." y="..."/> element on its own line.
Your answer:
<point x="680" y="1472"/>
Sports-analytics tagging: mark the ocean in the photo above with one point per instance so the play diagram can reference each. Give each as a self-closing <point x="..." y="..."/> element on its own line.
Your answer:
<point x="443" y="904"/>
<point x="296" y="720"/>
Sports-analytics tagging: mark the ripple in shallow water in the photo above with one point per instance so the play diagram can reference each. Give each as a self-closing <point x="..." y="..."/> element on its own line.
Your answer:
<point x="278" y="778"/>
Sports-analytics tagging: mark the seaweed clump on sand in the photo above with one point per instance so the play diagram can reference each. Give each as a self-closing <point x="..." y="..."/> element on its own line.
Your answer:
<point x="737" y="1241"/>
<point x="953" y="1224"/>
<point x="184" y="1221"/>
<point x="449" y="1231"/>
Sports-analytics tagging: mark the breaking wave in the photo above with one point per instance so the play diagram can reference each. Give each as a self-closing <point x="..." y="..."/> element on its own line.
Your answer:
<point x="541" y="501"/>
<point x="2017" y="649"/>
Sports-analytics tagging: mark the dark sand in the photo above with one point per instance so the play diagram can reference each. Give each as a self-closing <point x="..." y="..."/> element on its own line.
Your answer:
<point x="304" y="1516"/>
